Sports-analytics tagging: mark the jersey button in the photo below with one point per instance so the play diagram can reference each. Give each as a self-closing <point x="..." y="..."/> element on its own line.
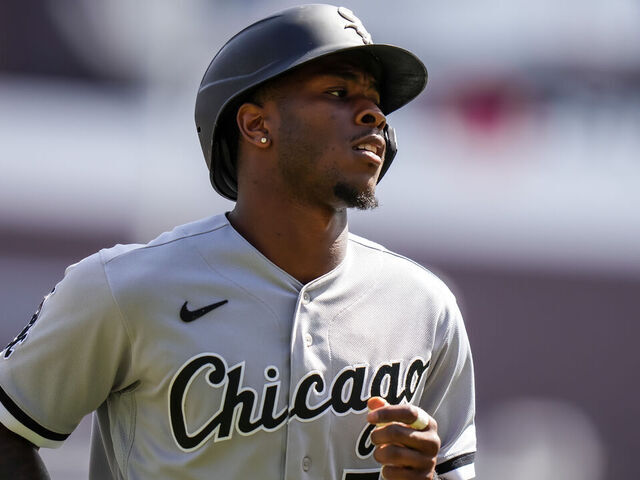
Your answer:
<point x="308" y="339"/>
<point x="306" y="298"/>
<point x="306" y="464"/>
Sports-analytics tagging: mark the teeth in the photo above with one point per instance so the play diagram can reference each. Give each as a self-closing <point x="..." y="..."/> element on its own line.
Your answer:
<point x="368" y="147"/>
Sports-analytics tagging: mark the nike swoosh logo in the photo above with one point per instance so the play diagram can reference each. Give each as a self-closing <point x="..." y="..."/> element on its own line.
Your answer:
<point x="187" y="315"/>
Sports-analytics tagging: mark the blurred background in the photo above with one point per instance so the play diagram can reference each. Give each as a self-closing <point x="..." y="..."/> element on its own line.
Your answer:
<point x="516" y="181"/>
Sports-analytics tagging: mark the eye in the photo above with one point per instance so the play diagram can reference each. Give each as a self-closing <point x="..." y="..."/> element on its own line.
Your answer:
<point x="338" y="92"/>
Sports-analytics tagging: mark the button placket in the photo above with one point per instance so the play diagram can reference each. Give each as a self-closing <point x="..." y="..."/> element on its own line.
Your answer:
<point x="307" y="355"/>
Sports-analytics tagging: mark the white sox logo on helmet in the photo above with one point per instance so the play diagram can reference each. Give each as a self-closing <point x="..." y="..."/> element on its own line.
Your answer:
<point x="347" y="393"/>
<point x="356" y="24"/>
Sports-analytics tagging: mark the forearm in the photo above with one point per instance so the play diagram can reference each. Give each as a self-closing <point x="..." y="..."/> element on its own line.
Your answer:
<point x="19" y="459"/>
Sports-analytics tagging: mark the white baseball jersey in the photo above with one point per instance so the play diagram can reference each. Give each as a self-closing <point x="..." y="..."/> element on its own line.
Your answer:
<point x="202" y="359"/>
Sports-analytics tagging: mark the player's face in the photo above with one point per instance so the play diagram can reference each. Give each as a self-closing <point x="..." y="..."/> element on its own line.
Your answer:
<point x="329" y="136"/>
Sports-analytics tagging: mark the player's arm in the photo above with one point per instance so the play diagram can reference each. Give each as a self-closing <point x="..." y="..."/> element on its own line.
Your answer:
<point x="64" y="365"/>
<point x="19" y="458"/>
<point x="449" y="445"/>
<point x="449" y="396"/>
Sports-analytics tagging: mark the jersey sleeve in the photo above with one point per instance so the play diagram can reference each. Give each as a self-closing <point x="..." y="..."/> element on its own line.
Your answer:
<point x="67" y="360"/>
<point x="449" y="397"/>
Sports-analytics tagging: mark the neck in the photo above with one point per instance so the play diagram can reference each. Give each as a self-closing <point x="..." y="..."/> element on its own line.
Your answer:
<point x="305" y="242"/>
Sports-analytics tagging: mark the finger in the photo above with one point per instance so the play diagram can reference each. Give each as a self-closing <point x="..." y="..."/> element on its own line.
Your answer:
<point x="426" y="442"/>
<point x="406" y="413"/>
<point x="422" y="421"/>
<point x="400" y="456"/>
<point x="390" y="472"/>
<point x="376" y="402"/>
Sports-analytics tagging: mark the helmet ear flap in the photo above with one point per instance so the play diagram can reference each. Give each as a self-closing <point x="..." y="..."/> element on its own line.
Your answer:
<point x="223" y="176"/>
<point x="391" y="149"/>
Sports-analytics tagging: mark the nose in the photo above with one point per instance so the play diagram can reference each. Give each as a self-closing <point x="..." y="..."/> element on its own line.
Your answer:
<point x="371" y="115"/>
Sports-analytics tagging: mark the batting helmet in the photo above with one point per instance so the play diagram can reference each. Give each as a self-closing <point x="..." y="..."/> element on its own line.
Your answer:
<point x="277" y="44"/>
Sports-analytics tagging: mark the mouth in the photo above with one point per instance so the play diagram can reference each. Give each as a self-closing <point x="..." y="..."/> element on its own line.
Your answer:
<point x="371" y="146"/>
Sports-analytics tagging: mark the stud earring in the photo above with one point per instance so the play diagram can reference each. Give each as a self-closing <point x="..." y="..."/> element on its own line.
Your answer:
<point x="264" y="140"/>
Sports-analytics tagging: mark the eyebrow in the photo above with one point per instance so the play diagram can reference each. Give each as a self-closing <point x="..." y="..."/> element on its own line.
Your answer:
<point x="351" y="75"/>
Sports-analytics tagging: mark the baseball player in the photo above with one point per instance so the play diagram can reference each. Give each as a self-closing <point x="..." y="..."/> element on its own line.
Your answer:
<point x="267" y="342"/>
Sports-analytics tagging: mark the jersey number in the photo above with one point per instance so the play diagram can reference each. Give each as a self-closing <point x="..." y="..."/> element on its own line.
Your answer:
<point x="22" y="336"/>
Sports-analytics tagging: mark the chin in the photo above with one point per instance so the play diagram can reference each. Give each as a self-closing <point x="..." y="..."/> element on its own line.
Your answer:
<point x="360" y="198"/>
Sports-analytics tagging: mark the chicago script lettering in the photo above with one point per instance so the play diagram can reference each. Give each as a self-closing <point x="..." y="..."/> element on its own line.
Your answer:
<point x="237" y="411"/>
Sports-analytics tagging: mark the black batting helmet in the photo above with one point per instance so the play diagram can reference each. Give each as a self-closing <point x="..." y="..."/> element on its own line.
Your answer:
<point x="277" y="44"/>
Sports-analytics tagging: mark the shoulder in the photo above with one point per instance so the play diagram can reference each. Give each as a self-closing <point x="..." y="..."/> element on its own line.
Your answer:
<point x="123" y="266"/>
<point x="168" y="241"/>
<point x="399" y="270"/>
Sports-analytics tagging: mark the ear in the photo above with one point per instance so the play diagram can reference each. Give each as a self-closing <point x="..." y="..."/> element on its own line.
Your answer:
<point x="252" y="124"/>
